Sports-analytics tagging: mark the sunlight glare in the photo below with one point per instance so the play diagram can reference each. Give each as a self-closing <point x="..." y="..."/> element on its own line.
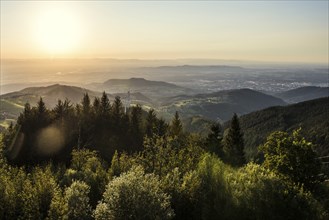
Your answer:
<point x="58" y="31"/>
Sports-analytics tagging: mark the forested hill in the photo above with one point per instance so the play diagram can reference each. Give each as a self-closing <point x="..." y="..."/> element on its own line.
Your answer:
<point x="303" y="94"/>
<point x="220" y="105"/>
<point x="312" y="116"/>
<point x="152" y="89"/>
<point x="50" y="94"/>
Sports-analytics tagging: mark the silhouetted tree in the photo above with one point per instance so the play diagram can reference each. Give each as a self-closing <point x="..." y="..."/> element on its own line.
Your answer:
<point x="151" y="121"/>
<point x="136" y="133"/>
<point x="105" y="105"/>
<point x="234" y="144"/>
<point x="86" y="104"/>
<point x="176" y="127"/>
<point x="161" y="127"/>
<point x="214" y="140"/>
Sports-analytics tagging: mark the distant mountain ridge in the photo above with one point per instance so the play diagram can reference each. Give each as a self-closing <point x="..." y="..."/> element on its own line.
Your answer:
<point x="303" y="94"/>
<point x="137" y="82"/>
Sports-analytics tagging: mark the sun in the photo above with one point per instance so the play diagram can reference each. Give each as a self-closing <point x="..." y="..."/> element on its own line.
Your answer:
<point x="58" y="31"/>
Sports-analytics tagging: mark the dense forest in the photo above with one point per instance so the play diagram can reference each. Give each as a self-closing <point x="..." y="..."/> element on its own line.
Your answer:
<point x="98" y="160"/>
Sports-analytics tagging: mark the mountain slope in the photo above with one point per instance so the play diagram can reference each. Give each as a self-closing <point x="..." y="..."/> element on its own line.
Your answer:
<point x="312" y="116"/>
<point x="303" y="94"/>
<point x="11" y="104"/>
<point x="152" y="89"/>
<point x="50" y="94"/>
<point x="219" y="105"/>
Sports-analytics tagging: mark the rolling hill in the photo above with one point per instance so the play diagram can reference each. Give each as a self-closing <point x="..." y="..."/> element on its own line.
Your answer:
<point x="312" y="116"/>
<point x="219" y="105"/>
<point x="152" y="89"/>
<point x="12" y="103"/>
<point x="303" y="94"/>
<point x="50" y="94"/>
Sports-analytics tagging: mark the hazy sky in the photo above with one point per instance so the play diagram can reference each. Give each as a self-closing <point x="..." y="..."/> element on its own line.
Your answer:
<point x="260" y="30"/>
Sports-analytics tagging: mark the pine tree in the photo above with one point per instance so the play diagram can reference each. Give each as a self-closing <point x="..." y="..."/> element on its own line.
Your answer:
<point x="136" y="133"/>
<point x="97" y="107"/>
<point x="162" y="127"/>
<point x="234" y="143"/>
<point x="42" y="114"/>
<point x="151" y="121"/>
<point x="176" y="127"/>
<point x="86" y="104"/>
<point x="117" y="111"/>
<point x="41" y="107"/>
<point x="214" y="140"/>
<point x="105" y="104"/>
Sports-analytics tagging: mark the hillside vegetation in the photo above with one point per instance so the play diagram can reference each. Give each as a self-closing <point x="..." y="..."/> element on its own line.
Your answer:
<point x="312" y="116"/>
<point x="96" y="161"/>
<point x="303" y="94"/>
<point x="219" y="105"/>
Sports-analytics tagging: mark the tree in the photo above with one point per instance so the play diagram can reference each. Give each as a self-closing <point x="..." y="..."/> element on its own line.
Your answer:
<point x="134" y="195"/>
<point x="105" y="105"/>
<point x="77" y="201"/>
<point x="162" y="127"/>
<point x="41" y="107"/>
<point x="151" y="121"/>
<point x="234" y="143"/>
<point x="214" y="140"/>
<point x="97" y="107"/>
<point x="176" y="127"/>
<point x="86" y="166"/>
<point x="86" y="104"/>
<point x="292" y="156"/>
<point x="136" y="132"/>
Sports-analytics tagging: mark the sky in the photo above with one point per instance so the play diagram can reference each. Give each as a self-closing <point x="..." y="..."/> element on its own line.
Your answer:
<point x="280" y="31"/>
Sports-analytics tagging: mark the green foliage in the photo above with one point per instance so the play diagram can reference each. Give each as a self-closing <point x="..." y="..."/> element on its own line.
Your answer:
<point x="176" y="127"/>
<point x="214" y="140"/>
<point x="251" y="192"/>
<point x="215" y="200"/>
<point x="311" y="116"/>
<point x="292" y="156"/>
<point x="166" y="176"/>
<point x="234" y="143"/>
<point x="87" y="167"/>
<point x="134" y="195"/>
<point x="261" y="194"/>
<point x="77" y="201"/>
<point x="120" y="164"/>
<point x="163" y="154"/>
<point x="151" y="121"/>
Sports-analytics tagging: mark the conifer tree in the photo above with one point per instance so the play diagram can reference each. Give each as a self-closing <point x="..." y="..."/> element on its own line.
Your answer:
<point x="162" y="127"/>
<point x="117" y="112"/>
<point x="176" y="128"/>
<point x="136" y="133"/>
<point x="105" y="104"/>
<point x="234" y="143"/>
<point x="151" y="121"/>
<point x="42" y="114"/>
<point x="214" y="140"/>
<point x="41" y="107"/>
<point x="97" y="106"/>
<point x="86" y="104"/>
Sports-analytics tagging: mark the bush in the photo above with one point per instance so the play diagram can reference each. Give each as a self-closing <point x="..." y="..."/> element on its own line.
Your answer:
<point x="134" y="195"/>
